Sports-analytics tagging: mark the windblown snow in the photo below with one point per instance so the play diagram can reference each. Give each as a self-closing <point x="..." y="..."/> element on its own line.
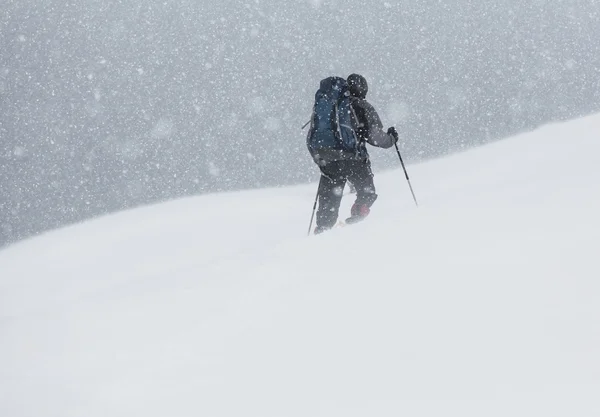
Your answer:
<point x="483" y="301"/>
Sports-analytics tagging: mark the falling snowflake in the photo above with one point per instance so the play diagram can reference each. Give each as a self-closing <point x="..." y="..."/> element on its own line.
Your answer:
<point x="163" y="129"/>
<point x="213" y="170"/>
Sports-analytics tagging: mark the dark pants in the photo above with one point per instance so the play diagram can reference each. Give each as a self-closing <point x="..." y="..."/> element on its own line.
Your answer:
<point x="333" y="179"/>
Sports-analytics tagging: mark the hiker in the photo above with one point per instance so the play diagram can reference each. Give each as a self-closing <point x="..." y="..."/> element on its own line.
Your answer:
<point x="343" y="123"/>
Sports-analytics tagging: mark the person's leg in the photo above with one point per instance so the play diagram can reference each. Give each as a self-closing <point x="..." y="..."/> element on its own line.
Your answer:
<point x="362" y="177"/>
<point x="330" y="196"/>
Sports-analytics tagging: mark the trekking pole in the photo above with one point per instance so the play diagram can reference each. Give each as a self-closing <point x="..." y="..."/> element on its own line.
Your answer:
<point x="406" y="174"/>
<point x="314" y="206"/>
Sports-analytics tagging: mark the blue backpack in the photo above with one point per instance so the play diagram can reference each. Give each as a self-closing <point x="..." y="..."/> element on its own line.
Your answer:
<point x="331" y="136"/>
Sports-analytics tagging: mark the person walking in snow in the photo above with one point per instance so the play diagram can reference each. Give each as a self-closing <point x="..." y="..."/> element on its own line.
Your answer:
<point x="351" y="164"/>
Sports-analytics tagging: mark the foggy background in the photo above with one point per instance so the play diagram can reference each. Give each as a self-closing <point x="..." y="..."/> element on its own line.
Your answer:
<point x="106" y="105"/>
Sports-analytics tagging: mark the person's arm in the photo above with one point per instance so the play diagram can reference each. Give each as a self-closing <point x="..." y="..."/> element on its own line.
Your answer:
<point x="376" y="136"/>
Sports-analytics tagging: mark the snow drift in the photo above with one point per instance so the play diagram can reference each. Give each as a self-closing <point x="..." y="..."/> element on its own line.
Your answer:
<point x="484" y="301"/>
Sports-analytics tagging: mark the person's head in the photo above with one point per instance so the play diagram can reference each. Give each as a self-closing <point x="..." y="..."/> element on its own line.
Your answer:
<point x="357" y="85"/>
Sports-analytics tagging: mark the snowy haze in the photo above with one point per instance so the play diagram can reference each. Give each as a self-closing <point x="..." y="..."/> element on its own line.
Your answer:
<point x="111" y="104"/>
<point x="484" y="301"/>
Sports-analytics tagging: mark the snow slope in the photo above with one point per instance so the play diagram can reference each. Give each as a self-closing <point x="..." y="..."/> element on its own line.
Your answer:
<point x="484" y="301"/>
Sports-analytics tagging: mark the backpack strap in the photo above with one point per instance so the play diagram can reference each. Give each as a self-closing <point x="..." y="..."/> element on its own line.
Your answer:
<point x="336" y="120"/>
<point x="358" y="125"/>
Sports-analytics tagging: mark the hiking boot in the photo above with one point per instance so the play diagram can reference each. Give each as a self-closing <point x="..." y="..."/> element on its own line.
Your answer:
<point x="358" y="212"/>
<point x="321" y="229"/>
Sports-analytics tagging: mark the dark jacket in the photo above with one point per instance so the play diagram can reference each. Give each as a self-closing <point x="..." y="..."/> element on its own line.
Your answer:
<point x="369" y="128"/>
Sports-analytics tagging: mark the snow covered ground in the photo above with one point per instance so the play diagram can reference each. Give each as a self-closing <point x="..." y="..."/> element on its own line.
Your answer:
<point x="484" y="301"/>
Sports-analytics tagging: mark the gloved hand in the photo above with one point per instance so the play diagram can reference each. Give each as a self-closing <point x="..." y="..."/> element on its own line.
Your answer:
<point x="392" y="132"/>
